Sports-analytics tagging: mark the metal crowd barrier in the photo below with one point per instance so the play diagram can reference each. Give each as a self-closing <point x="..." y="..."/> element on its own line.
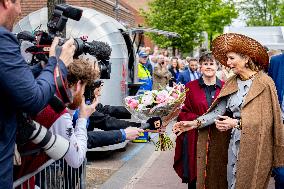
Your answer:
<point x="54" y="175"/>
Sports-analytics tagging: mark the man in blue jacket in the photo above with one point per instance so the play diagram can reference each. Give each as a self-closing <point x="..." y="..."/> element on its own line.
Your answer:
<point x="20" y="91"/>
<point x="189" y="74"/>
<point x="276" y="72"/>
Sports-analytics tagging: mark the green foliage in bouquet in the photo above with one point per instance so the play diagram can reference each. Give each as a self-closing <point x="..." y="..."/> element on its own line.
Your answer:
<point x="164" y="143"/>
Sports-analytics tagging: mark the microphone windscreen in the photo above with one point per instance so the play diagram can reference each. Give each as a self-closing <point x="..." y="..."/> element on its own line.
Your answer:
<point x="26" y="35"/>
<point x="100" y="50"/>
<point x="73" y="13"/>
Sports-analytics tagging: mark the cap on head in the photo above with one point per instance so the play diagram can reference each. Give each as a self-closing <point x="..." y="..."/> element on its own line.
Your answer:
<point x="142" y="54"/>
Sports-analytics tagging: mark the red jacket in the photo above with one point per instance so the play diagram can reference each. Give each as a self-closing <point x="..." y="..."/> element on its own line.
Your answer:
<point x="195" y="105"/>
<point x="31" y="163"/>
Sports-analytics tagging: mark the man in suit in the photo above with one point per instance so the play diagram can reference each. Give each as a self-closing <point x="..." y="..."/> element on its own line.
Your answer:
<point x="276" y="72"/>
<point x="191" y="73"/>
<point x="20" y="91"/>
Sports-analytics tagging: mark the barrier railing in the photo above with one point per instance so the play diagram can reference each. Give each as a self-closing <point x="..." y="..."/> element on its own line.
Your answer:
<point x="54" y="175"/>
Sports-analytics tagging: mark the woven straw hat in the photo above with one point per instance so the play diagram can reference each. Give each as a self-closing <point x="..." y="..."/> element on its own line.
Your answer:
<point x="233" y="42"/>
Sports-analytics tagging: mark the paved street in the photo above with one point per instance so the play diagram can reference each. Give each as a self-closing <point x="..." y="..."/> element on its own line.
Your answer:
<point x="138" y="167"/>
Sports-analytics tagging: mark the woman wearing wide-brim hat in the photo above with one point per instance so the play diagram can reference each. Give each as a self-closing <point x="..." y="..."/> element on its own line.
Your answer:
<point x="248" y="140"/>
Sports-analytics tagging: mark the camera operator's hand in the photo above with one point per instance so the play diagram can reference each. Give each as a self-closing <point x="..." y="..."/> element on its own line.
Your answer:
<point x="26" y="127"/>
<point x="87" y="110"/>
<point x="67" y="51"/>
<point x="52" y="51"/>
<point x="132" y="132"/>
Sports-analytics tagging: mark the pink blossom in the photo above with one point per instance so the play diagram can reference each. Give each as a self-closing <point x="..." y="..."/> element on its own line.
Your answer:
<point x="175" y="95"/>
<point x="162" y="97"/>
<point x="133" y="104"/>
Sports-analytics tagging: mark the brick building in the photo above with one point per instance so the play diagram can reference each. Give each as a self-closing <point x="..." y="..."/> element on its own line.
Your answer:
<point x="124" y="14"/>
<point x="127" y="12"/>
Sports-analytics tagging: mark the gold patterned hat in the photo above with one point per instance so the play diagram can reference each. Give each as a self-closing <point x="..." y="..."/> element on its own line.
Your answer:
<point x="238" y="43"/>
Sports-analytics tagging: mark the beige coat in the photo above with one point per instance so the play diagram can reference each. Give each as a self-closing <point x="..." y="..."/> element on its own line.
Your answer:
<point x="261" y="145"/>
<point x="161" y="77"/>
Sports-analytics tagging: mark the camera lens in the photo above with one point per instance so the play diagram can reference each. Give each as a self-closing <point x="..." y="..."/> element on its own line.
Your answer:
<point x="55" y="146"/>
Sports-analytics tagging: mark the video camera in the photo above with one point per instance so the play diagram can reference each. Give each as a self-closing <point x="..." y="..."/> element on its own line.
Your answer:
<point x="42" y="40"/>
<point x="56" y="146"/>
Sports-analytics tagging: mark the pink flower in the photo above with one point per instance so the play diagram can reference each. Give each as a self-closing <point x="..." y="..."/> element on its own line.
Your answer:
<point x="133" y="104"/>
<point x="175" y="95"/>
<point x="162" y="97"/>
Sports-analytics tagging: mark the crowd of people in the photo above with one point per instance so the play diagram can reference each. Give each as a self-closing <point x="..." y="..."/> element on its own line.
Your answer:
<point x="156" y="69"/>
<point x="239" y="80"/>
<point x="233" y="136"/>
<point x="218" y="143"/>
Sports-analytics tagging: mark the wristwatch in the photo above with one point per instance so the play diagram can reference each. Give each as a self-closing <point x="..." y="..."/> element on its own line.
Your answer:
<point x="239" y="125"/>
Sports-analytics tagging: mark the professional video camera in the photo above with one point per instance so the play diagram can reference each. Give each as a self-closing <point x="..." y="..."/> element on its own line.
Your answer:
<point x="56" y="146"/>
<point x="42" y="40"/>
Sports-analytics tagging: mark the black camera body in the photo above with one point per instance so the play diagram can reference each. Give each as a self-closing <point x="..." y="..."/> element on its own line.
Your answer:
<point x="42" y="40"/>
<point x="89" y="90"/>
<point x="60" y="16"/>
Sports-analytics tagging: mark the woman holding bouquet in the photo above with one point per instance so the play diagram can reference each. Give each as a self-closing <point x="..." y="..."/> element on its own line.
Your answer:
<point x="200" y="95"/>
<point x="250" y="138"/>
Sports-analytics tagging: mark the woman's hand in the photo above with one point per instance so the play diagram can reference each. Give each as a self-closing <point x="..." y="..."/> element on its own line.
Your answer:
<point x="184" y="126"/>
<point x="225" y="123"/>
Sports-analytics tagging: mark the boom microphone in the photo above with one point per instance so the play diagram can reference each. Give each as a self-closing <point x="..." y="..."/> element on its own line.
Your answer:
<point x="26" y="36"/>
<point x="100" y="50"/>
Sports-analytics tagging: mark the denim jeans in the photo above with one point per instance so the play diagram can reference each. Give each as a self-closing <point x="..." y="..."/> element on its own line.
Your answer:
<point x="278" y="177"/>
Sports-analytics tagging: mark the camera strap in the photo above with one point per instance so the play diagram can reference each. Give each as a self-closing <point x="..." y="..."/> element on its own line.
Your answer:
<point x="61" y="89"/>
<point x="56" y="104"/>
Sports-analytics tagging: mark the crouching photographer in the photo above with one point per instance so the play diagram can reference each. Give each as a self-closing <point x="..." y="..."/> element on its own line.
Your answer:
<point x="108" y="118"/>
<point x="32" y="156"/>
<point x="20" y="91"/>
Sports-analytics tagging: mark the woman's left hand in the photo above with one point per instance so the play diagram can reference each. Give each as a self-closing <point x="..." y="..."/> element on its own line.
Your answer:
<point x="225" y="123"/>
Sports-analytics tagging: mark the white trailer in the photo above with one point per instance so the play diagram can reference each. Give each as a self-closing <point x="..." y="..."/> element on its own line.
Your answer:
<point x="270" y="36"/>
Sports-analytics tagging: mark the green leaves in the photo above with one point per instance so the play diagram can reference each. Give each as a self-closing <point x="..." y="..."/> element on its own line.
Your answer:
<point x="189" y="18"/>
<point x="263" y="12"/>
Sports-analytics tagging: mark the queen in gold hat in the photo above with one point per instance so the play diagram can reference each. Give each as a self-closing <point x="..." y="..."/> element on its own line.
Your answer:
<point x="247" y="140"/>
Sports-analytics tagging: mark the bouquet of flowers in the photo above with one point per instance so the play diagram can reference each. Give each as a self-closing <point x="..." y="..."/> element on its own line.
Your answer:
<point x="164" y="103"/>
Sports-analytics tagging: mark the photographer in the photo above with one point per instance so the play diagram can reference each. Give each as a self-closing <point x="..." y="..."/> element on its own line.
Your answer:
<point x="161" y="74"/>
<point x="79" y="74"/>
<point x="108" y="118"/>
<point x="20" y="91"/>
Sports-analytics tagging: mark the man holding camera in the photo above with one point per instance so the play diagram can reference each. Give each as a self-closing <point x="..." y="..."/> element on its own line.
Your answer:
<point x="20" y="90"/>
<point x="161" y="74"/>
<point x="108" y="118"/>
<point x="79" y="74"/>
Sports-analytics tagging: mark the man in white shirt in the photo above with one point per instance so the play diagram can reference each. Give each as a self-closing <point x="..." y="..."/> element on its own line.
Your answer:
<point x="79" y="74"/>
